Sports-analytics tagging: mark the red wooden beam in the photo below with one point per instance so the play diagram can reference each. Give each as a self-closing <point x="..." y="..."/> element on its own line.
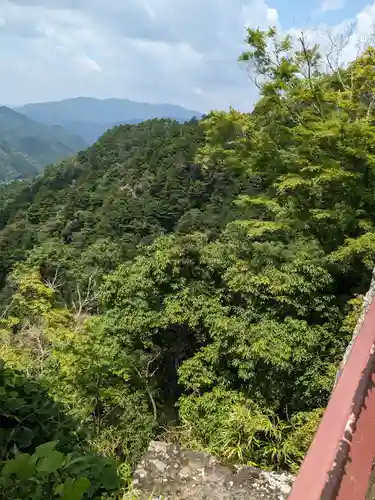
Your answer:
<point x="339" y="462"/>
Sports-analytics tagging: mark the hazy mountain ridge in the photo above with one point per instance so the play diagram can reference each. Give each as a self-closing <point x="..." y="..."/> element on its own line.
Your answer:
<point x="89" y="117"/>
<point x="38" y="134"/>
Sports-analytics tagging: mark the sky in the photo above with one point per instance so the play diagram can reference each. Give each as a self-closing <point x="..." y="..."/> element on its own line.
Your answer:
<point x="176" y="51"/>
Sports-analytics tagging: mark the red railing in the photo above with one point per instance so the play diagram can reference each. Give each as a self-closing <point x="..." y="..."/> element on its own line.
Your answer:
<point x="339" y="462"/>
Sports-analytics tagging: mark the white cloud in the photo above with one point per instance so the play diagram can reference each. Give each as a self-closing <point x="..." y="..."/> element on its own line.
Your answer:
<point x="328" y="5"/>
<point x="273" y="17"/>
<point x="87" y="63"/>
<point x="365" y="21"/>
<point x="150" y="50"/>
<point x="350" y="36"/>
<point x="178" y="51"/>
<point x="149" y="9"/>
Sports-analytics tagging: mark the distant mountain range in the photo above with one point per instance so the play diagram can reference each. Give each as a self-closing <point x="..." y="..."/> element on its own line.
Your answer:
<point x="35" y="135"/>
<point x="90" y="118"/>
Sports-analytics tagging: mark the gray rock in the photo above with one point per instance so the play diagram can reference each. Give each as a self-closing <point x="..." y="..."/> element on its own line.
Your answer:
<point x="170" y="472"/>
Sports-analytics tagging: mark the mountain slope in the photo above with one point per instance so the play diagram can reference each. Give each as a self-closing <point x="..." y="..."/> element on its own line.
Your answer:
<point x="90" y="117"/>
<point x="27" y="146"/>
<point x="91" y="131"/>
<point x="135" y="183"/>
<point x="14" y="165"/>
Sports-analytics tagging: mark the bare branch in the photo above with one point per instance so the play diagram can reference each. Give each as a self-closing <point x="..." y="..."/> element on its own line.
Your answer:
<point x="54" y="283"/>
<point x="307" y="57"/>
<point x="85" y="301"/>
<point x="337" y="45"/>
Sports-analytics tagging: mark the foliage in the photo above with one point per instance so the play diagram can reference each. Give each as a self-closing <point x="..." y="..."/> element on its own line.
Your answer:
<point x="84" y="370"/>
<point x="28" y="415"/>
<point x="48" y="473"/>
<point x="93" y="377"/>
<point x="237" y="430"/>
<point x="33" y="465"/>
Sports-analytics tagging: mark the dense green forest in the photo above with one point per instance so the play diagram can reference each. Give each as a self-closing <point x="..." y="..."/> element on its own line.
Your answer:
<point x="195" y="282"/>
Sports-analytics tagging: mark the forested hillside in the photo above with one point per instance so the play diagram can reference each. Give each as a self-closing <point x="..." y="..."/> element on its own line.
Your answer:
<point x="27" y="146"/>
<point x="14" y="165"/>
<point x="197" y="282"/>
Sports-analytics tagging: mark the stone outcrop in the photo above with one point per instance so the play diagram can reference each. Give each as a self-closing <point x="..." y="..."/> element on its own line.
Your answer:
<point x="169" y="472"/>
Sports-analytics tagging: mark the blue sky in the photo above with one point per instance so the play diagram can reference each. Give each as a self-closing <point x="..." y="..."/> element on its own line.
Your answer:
<point x="307" y="13"/>
<point x="177" y="51"/>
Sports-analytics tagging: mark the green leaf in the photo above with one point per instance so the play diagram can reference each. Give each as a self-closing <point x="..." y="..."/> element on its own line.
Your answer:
<point x="51" y="462"/>
<point x="80" y="464"/>
<point x="80" y="487"/>
<point x="20" y="466"/>
<point x="45" y="449"/>
<point x="109" y="478"/>
<point x="14" y="403"/>
<point x="23" y="436"/>
<point x="73" y="490"/>
<point x="60" y="487"/>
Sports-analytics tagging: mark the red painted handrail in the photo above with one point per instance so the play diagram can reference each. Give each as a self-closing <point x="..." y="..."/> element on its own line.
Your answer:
<point x="339" y="462"/>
